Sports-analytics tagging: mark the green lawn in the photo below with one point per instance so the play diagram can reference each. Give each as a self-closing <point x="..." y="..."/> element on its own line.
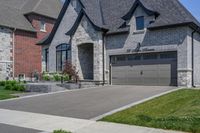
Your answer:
<point x="179" y="110"/>
<point x="61" y="131"/>
<point x="6" y="94"/>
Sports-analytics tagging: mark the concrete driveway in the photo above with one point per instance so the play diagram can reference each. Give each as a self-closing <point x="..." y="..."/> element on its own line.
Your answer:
<point x="84" y="104"/>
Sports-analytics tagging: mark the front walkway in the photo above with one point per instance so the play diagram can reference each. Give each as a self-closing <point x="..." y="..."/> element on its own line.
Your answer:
<point x="49" y="123"/>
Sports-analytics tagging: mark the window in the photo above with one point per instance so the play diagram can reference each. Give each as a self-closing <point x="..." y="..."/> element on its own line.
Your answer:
<point x="150" y="56"/>
<point x="134" y="57"/>
<point x="42" y="26"/>
<point x="121" y="58"/>
<point x="47" y="59"/>
<point x="169" y="55"/>
<point x="63" y="53"/>
<point x="140" y="23"/>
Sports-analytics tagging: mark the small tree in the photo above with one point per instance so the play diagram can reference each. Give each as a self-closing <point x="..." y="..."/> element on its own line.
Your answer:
<point x="70" y="70"/>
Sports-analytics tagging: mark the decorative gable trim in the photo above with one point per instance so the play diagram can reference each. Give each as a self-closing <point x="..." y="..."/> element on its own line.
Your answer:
<point x="78" y="20"/>
<point x="48" y="39"/>
<point x="134" y="7"/>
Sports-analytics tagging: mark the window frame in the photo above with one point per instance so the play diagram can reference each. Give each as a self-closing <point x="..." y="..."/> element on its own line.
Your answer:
<point x="43" y="26"/>
<point x="60" y="49"/>
<point x="47" y="59"/>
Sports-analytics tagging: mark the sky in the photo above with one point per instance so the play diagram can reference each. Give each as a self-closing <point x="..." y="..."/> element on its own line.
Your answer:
<point x="192" y="5"/>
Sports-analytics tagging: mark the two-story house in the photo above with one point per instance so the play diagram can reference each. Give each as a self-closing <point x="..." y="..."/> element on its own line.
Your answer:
<point x="127" y="42"/>
<point x="22" y="24"/>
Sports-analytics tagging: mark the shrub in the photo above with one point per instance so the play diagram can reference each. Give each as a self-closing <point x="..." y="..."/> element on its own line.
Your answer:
<point x="18" y="87"/>
<point x="13" y="83"/>
<point x="61" y="131"/>
<point x="57" y="77"/>
<point x="14" y="86"/>
<point x="66" y="77"/>
<point x="2" y="83"/>
<point x="8" y="87"/>
<point x="71" y="71"/>
<point x="46" y="77"/>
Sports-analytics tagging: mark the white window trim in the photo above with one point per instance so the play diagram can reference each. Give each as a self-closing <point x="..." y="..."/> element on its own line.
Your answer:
<point x="44" y="29"/>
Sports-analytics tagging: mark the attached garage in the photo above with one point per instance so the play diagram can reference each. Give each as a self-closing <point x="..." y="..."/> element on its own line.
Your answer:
<point x="159" y="69"/>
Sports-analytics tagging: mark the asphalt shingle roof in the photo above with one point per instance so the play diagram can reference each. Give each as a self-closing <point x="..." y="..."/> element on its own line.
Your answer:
<point x="12" y="12"/>
<point x="108" y="14"/>
<point x="171" y="12"/>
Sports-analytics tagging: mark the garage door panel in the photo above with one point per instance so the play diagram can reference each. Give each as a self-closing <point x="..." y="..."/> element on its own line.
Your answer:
<point x="150" y="81"/>
<point x="145" y="72"/>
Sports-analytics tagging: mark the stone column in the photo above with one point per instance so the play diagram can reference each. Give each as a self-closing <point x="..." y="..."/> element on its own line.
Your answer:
<point x="98" y="61"/>
<point x="185" y="63"/>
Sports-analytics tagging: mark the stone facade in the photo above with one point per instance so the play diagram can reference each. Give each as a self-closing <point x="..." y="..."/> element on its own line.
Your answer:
<point x="6" y="57"/>
<point x="85" y="34"/>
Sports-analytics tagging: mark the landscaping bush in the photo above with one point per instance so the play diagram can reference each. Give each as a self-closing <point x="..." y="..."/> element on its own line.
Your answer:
<point x="57" y="77"/>
<point x="61" y="131"/>
<point x="14" y="86"/>
<point x="18" y="87"/>
<point x="71" y="71"/>
<point x="2" y="83"/>
<point x="13" y="83"/>
<point x="46" y="77"/>
<point x="8" y="87"/>
<point x="66" y="77"/>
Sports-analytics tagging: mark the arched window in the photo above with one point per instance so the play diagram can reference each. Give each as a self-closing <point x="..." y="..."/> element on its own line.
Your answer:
<point x="63" y="53"/>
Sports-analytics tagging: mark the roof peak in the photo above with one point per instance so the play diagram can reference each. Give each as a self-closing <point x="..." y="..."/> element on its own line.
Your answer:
<point x="136" y="4"/>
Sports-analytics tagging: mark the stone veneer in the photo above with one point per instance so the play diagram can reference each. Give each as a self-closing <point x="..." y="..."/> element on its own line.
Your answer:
<point x="185" y="78"/>
<point x="6" y="68"/>
<point x="84" y="35"/>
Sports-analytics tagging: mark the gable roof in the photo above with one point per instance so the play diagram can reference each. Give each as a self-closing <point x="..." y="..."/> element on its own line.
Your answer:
<point x="134" y="7"/>
<point x="78" y="20"/>
<point x="49" y="8"/>
<point x="12" y="12"/>
<point x="171" y="12"/>
<point x="110" y="14"/>
<point x="13" y="18"/>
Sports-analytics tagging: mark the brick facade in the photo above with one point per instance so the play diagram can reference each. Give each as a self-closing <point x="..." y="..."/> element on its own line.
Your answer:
<point x="27" y="53"/>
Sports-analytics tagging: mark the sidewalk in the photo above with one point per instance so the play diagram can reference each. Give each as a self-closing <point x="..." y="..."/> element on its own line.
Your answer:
<point x="48" y="123"/>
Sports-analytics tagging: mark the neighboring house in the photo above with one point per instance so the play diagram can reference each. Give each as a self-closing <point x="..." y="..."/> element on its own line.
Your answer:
<point x="126" y="42"/>
<point x="22" y="24"/>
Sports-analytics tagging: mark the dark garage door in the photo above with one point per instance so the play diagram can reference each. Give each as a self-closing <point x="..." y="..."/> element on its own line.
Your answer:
<point x="145" y="69"/>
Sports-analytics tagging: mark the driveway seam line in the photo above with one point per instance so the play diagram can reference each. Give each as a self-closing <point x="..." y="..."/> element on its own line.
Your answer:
<point x="133" y="104"/>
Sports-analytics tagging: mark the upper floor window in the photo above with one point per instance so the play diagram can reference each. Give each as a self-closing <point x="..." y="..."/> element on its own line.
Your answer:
<point x="140" y="23"/>
<point x="43" y="26"/>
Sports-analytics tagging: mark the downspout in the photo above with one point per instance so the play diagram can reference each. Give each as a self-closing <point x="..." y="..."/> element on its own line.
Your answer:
<point x="103" y="52"/>
<point x="13" y="37"/>
<point x="193" y="83"/>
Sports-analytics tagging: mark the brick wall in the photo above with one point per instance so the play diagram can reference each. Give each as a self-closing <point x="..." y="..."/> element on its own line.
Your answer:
<point x="27" y="53"/>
